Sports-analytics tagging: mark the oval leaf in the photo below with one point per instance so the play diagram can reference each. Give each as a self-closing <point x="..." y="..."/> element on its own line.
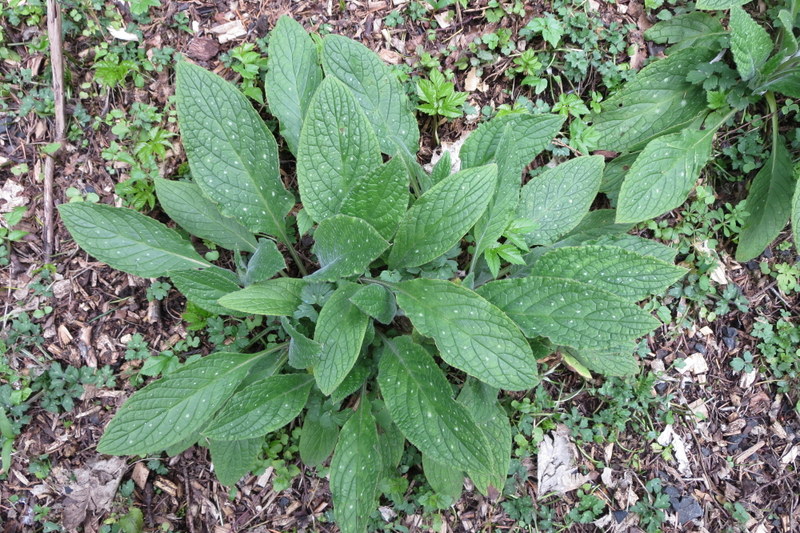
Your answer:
<point x="172" y="408"/>
<point x="232" y="154"/>
<point x="129" y="241"/>
<point x="418" y="397"/>
<point x="275" y="297"/>
<point x="380" y="198"/>
<point x="261" y="407"/>
<point x="204" y="287"/>
<point x="345" y="246"/>
<point x="441" y="216"/>
<point x="471" y="333"/>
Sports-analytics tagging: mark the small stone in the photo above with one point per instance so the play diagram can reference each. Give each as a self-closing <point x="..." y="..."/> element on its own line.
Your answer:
<point x="619" y="516"/>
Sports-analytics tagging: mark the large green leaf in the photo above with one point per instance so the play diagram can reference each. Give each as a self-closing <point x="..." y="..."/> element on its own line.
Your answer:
<point x="292" y="77"/>
<point x="129" y="241"/>
<point x="303" y="352"/>
<point x="481" y="145"/>
<point x="639" y="245"/>
<point x="172" y="408"/>
<point x="523" y="139"/>
<point x="275" y="297"/>
<point x="318" y="435"/>
<point x="683" y="31"/>
<point x="340" y="331"/>
<point x="356" y="471"/>
<point x="381" y="197"/>
<point x="471" y="333"/>
<point x="769" y="204"/>
<point x="442" y="478"/>
<point x="715" y="5"/>
<point x="559" y="198"/>
<point x="345" y="246"/>
<point x="569" y="312"/>
<point x="658" y="100"/>
<point x="750" y="43"/>
<point x="796" y="211"/>
<point x="481" y="401"/>
<point x="185" y="204"/>
<point x="419" y="400"/>
<point x="265" y="262"/>
<point x="376" y="89"/>
<point x="261" y="407"/>
<point x="664" y="174"/>
<point x="622" y="272"/>
<point x="441" y="216"/>
<point x="233" y="459"/>
<point x="337" y="149"/>
<point x="232" y="154"/>
<point x="615" y="361"/>
<point x="375" y="301"/>
<point x="204" y="287"/>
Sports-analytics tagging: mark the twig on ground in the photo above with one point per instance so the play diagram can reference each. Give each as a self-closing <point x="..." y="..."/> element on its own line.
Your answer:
<point x="57" y="68"/>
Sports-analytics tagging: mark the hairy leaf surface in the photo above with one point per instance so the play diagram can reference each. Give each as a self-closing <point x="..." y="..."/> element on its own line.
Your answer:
<point x="172" y="408"/>
<point x="683" y="31"/>
<point x="303" y="352"/>
<point x="616" y="361"/>
<point x="129" y="241"/>
<point x="356" y="471"/>
<point x="375" y="301"/>
<point x="443" y="479"/>
<point x="523" y="139"/>
<point x="261" y="407"/>
<point x="639" y="245"/>
<point x="380" y="198"/>
<point x="318" y="436"/>
<point x="769" y="203"/>
<point x="663" y="175"/>
<point x="481" y="401"/>
<point x="441" y="216"/>
<point x="658" y="100"/>
<point x="292" y="77"/>
<point x="265" y="262"/>
<point x="340" y="331"/>
<point x="559" y="198"/>
<point x="717" y="5"/>
<point x="750" y="43"/>
<point x="185" y="204"/>
<point x="471" y="333"/>
<point x="337" y="149"/>
<point x="232" y="154"/>
<point x="345" y="246"/>
<point x="275" y="297"/>
<point x="622" y="272"/>
<point x="234" y="458"/>
<point x="376" y="90"/>
<point x="205" y="287"/>
<point x="568" y="312"/>
<point x="418" y="397"/>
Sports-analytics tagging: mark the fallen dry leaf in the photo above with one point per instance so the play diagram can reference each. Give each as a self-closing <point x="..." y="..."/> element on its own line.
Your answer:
<point x="11" y="196"/>
<point x="122" y="35"/>
<point x="92" y="491"/>
<point x="556" y="470"/>
<point x="229" y="31"/>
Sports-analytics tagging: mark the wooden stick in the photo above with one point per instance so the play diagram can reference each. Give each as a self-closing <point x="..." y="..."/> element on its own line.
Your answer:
<point x="57" y="68"/>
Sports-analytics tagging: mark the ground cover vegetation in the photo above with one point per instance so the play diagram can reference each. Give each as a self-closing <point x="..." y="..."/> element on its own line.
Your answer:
<point x="521" y="291"/>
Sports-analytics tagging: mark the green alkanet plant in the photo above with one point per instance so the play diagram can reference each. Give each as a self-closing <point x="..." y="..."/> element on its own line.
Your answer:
<point x="366" y="325"/>
<point x="664" y="120"/>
